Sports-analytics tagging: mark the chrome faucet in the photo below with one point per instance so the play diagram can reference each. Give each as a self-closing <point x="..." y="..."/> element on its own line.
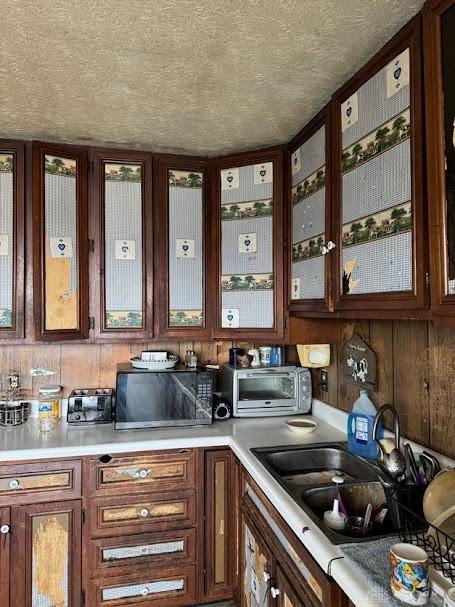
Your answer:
<point x="392" y="463"/>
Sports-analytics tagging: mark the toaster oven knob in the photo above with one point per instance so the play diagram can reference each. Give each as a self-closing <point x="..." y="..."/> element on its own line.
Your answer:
<point x="144" y="512"/>
<point x="14" y="484"/>
<point x="4" y="529"/>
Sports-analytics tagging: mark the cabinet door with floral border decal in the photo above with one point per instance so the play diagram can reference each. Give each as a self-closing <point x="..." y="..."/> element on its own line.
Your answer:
<point x="377" y="124"/>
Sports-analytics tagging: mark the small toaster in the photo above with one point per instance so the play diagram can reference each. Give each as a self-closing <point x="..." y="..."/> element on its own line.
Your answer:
<point x="90" y="406"/>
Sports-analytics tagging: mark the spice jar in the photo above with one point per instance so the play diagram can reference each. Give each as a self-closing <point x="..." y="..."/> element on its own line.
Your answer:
<point x="49" y="406"/>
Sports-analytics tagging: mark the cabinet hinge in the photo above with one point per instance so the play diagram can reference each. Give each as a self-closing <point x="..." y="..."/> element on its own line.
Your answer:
<point x="91" y="167"/>
<point x="427" y="280"/>
<point x="91" y="322"/>
<point x="82" y="598"/>
<point x="91" y="245"/>
<point x="83" y="515"/>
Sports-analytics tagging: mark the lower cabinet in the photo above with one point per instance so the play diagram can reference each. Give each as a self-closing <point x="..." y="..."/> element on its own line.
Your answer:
<point x="275" y="568"/>
<point x="40" y="555"/>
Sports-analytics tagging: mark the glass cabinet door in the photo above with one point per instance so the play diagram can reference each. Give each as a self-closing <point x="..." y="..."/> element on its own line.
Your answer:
<point x="11" y="240"/>
<point x="380" y="219"/>
<point x="61" y="265"/>
<point x="121" y="231"/>
<point x="439" y="24"/>
<point x="310" y="215"/>
<point x="250" y="247"/>
<point x="182" y="247"/>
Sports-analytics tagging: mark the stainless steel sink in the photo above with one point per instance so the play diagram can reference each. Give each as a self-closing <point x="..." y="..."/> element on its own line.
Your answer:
<point x="306" y="474"/>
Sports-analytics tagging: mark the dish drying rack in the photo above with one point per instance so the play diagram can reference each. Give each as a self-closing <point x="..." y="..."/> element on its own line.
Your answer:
<point x="440" y="547"/>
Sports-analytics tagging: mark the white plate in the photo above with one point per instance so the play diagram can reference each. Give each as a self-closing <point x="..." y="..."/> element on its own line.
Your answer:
<point x="301" y="425"/>
<point x="170" y="363"/>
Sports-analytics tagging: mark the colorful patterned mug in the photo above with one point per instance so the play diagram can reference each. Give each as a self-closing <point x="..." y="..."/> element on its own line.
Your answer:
<point x="409" y="577"/>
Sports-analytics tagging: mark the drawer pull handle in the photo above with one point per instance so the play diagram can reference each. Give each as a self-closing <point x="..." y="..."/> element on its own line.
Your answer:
<point x="144" y="591"/>
<point x="4" y="529"/>
<point x="144" y="512"/>
<point x="14" y="483"/>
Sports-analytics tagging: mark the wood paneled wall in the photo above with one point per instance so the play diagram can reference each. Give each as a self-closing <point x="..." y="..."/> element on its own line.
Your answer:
<point x="95" y="365"/>
<point x="416" y="373"/>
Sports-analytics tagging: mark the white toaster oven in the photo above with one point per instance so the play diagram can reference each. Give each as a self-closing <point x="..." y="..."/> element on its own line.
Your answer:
<point x="267" y="391"/>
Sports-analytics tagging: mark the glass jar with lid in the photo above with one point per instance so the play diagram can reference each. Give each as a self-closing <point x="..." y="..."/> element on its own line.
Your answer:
<point x="49" y="407"/>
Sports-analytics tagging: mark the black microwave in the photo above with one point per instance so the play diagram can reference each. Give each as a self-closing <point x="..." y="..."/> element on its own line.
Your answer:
<point x="157" y="399"/>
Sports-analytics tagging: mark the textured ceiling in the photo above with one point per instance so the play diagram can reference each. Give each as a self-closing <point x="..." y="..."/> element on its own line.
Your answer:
<point x="189" y="76"/>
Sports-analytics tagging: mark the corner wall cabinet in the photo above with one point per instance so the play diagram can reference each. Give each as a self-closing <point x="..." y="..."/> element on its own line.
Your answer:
<point x="121" y="239"/>
<point x="378" y="181"/>
<point x="12" y="239"/>
<point x="310" y="230"/>
<point x="248" y="195"/>
<point x="439" y="32"/>
<point x="60" y="181"/>
<point x="182" y="242"/>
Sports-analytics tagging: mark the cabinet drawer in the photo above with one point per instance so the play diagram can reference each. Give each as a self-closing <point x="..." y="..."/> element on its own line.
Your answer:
<point x="167" y="588"/>
<point x="136" y="514"/>
<point x="116" y="555"/>
<point x="157" y="472"/>
<point x="30" y="483"/>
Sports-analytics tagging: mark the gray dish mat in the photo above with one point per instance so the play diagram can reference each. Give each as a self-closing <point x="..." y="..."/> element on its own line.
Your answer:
<point x="371" y="559"/>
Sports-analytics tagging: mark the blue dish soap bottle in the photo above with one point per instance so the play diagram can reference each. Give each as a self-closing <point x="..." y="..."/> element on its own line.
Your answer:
<point x="360" y="428"/>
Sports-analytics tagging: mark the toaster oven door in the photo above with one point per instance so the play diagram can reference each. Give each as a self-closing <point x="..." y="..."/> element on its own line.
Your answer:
<point x="270" y="392"/>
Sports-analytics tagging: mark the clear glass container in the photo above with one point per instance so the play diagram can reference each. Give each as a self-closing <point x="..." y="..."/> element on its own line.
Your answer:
<point x="49" y="407"/>
<point x="191" y="359"/>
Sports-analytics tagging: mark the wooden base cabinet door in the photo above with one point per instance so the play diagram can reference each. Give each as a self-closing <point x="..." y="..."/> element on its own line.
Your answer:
<point x="219" y="528"/>
<point x="257" y="569"/>
<point x="46" y="555"/>
<point x="5" y="538"/>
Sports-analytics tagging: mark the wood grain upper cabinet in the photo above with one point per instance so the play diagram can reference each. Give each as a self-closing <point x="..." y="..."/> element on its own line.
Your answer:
<point x="377" y="182"/>
<point x="309" y="217"/>
<point x="11" y="239"/>
<point x="181" y="247"/>
<point x="121" y="239"/>
<point x="60" y="242"/>
<point x="248" y="204"/>
<point x="439" y="48"/>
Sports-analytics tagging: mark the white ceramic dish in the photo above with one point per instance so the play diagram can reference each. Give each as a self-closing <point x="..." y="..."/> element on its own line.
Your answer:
<point x="151" y="365"/>
<point x="301" y="425"/>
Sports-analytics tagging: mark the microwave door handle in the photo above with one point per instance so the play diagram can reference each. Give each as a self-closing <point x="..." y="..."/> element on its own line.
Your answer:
<point x="274" y="373"/>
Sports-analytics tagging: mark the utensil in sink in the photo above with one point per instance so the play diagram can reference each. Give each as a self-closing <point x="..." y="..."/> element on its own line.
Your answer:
<point x="392" y="463"/>
<point x="413" y="470"/>
<point x="366" y="520"/>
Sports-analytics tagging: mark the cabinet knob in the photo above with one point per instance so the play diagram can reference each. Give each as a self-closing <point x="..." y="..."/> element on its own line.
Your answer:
<point x="331" y="245"/>
<point x="14" y="483"/>
<point x="274" y="592"/>
<point x="4" y="529"/>
<point x="143" y="473"/>
<point x="266" y="576"/>
<point x="144" y="591"/>
<point x="324" y="250"/>
<point x="144" y="512"/>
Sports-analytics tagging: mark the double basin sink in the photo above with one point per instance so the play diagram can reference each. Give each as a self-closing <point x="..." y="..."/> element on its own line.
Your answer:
<point x="306" y="475"/>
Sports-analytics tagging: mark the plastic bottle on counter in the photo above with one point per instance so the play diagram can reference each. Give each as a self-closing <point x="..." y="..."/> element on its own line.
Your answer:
<point x="49" y="407"/>
<point x="360" y="428"/>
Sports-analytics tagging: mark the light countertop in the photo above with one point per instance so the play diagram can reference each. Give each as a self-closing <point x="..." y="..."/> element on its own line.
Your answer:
<point x="26" y="443"/>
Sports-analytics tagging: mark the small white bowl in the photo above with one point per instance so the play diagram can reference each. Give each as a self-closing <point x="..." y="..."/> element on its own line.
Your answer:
<point x="301" y="425"/>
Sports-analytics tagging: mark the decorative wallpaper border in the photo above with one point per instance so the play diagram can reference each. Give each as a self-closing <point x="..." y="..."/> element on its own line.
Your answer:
<point x="113" y="171"/>
<point x="6" y="318"/>
<point x="186" y="318"/>
<point x="124" y="319"/>
<point x="6" y="163"/>
<point x="247" y="210"/>
<point x="56" y="165"/>
<point x="386" y="136"/>
<point x="306" y="249"/>
<point x="309" y="185"/>
<point x="247" y="282"/>
<point x="185" y="179"/>
<point x="393" y="220"/>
